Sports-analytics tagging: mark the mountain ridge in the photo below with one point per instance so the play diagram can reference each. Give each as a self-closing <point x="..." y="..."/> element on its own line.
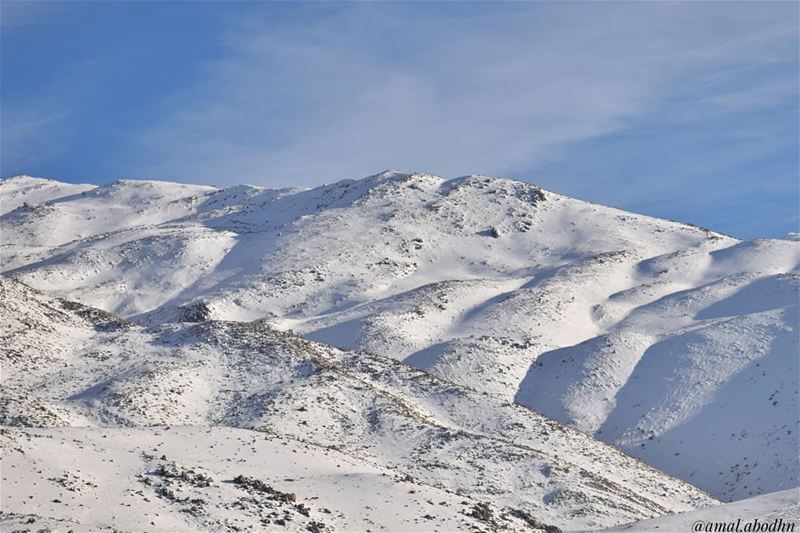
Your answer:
<point x="589" y="314"/>
<point x="116" y="378"/>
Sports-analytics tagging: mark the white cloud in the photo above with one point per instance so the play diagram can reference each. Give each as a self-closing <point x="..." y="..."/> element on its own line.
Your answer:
<point x="376" y="86"/>
<point x="18" y="13"/>
<point x="24" y="139"/>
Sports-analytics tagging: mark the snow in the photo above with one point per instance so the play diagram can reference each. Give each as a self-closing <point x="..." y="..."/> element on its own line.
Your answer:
<point x="676" y="344"/>
<point x="96" y="479"/>
<point x="782" y="506"/>
<point x="108" y="389"/>
<point x="16" y="191"/>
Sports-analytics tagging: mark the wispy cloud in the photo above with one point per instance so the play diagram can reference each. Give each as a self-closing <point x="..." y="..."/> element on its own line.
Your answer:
<point x="24" y="139"/>
<point x="490" y="90"/>
<point x="631" y="104"/>
<point x="16" y="13"/>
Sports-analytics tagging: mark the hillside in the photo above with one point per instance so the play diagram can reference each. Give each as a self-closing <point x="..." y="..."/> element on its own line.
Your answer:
<point x="118" y="420"/>
<point x="778" y="510"/>
<point x="675" y="343"/>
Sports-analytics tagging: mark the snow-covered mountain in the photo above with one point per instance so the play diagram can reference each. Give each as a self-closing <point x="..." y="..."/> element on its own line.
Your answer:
<point x="374" y="441"/>
<point x="674" y="343"/>
<point x="778" y="511"/>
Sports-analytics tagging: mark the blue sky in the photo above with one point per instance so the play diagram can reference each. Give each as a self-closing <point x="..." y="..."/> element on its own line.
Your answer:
<point x="684" y="110"/>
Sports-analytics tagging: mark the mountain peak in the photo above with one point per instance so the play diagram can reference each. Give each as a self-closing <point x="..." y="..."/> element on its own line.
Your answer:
<point x="597" y="317"/>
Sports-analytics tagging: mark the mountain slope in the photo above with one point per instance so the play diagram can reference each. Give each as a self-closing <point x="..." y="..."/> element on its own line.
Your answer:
<point x="646" y="333"/>
<point x="777" y="510"/>
<point x="109" y="388"/>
